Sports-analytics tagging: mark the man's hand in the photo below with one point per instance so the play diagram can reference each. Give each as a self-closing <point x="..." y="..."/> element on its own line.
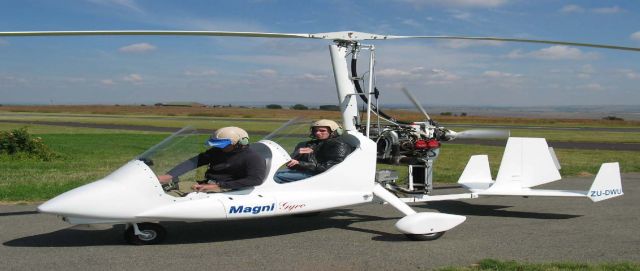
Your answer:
<point x="165" y="179"/>
<point x="305" y="150"/>
<point x="292" y="163"/>
<point x="206" y="188"/>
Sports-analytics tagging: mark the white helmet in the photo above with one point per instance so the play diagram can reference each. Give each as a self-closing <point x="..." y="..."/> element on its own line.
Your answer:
<point x="228" y="136"/>
<point x="333" y="126"/>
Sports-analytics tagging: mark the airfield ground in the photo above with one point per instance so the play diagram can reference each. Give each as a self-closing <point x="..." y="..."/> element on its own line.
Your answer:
<point x="537" y="230"/>
<point x="93" y="141"/>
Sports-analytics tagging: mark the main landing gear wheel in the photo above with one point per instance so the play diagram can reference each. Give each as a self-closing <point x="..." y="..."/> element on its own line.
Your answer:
<point x="150" y="234"/>
<point x="425" y="237"/>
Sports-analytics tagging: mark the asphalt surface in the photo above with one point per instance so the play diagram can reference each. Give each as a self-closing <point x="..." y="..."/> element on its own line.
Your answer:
<point x="355" y="238"/>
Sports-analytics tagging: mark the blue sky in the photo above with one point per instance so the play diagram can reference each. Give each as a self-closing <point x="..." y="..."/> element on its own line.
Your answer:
<point x="132" y="70"/>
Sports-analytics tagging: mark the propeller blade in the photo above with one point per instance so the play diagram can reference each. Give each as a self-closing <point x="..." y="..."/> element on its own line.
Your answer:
<point x="284" y="126"/>
<point x="482" y="133"/>
<point x="415" y="102"/>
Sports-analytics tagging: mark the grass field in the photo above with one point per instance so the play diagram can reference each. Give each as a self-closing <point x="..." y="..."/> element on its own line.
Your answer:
<point x="87" y="154"/>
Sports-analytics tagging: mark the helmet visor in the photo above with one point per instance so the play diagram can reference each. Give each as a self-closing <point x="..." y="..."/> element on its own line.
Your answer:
<point x="218" y="143"/>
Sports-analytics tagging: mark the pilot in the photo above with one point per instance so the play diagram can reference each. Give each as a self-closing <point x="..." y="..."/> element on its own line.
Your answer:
<point x="313" y="157"/>
<point x="232" y="164"/>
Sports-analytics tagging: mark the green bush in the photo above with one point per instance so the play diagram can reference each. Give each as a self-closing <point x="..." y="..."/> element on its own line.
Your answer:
<point x="299" y="107"/>
<point x="20" y="144"/>
<point x="274" y="106"/>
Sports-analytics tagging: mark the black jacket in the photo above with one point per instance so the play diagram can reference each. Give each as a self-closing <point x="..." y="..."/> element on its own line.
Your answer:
<point x="242" y="167"/>
<point x="326" y="153"/>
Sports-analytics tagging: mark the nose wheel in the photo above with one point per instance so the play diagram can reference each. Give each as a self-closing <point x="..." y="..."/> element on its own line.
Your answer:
<point x="144" y="234"/>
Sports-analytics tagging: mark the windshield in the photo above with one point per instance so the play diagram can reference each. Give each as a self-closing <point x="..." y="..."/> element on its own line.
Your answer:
<point x="189" y="142"/>
<point x="291" y="133"/>
<point x="175" y="149"/>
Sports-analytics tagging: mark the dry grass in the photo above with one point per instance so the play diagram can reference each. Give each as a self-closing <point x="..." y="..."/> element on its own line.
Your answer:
<point x="239" y="112"/>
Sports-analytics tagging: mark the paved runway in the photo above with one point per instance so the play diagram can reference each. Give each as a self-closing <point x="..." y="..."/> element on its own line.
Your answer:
<point x="358" y="238"/>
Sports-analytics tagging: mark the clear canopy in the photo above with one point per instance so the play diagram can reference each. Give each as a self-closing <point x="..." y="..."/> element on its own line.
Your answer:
<point x="188" y="142"/>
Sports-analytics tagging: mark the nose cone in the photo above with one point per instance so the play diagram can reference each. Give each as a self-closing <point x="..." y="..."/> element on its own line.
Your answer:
<point x="120" y="196"/>
<point x="83" y="201"/>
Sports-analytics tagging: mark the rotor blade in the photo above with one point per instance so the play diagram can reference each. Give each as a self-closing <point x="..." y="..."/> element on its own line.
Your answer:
<point x="276" y="131"/>
<point x="606" y="46"/>
<point x="349" y="36"/>
<point x="154" y="33"/>
<point x="482" y="133"/>
<point x="415" y="102"/>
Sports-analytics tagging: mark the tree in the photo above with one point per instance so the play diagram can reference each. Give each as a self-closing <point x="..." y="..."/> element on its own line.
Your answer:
<point x="299" y="107"/>
<point x="329" y="107"/>
<point x="274" y="106"/>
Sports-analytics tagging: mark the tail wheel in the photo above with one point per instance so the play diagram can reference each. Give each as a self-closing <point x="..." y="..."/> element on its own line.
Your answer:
<point x="150" y="234"/>
<point x="425" y="237"/>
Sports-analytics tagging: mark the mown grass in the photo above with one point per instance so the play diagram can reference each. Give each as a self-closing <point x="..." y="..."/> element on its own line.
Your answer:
<point x="83" y="158"/>
<point x="260" y="125"/>
<point x="86" y="155"/>
<point x="490" y="264"/>
<point x="238" y="112"/>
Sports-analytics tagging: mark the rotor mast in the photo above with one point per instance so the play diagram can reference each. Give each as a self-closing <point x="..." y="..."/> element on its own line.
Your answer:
<point x="344" y="86"/>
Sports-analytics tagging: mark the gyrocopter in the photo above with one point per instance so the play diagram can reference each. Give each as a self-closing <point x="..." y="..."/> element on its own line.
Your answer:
<point x="133" y="196"/>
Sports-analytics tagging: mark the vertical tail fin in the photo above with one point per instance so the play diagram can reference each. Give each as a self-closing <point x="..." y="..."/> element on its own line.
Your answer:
<point x="477" y="174"/>
<point x="607" y="183"/>
<point x="526" y="162"/>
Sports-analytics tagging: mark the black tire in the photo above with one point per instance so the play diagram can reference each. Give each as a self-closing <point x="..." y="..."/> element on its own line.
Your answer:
<point x="425" y="237"/>
<point x="152" y="234"/>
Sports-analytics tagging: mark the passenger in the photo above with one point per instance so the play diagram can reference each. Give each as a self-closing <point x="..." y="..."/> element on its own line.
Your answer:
<point x="232" y="164"/>
<point x="313" y="157"/>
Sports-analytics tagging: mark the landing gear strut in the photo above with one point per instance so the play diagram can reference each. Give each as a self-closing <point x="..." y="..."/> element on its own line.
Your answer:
<point x="144" y="234"/>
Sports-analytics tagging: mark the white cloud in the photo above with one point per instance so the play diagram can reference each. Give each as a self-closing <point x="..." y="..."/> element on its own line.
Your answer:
<point x="457" y="44"/>
<point x="586" y="71"/>
<point x="635" y="36"/>
<point x="314" y="77"/>
<point x="411" y="22"/>
<point x="608" y="10"/>
<point x="137" y="48"/>
<point x="556" y="52"/>
<point x="107" y="82"/>
<point x="499" y="74"/>
<point x="127" y="4"/>
<point x="459" y="3"/>
<point x="631" y="74"/>
<point x="572" y="9"/>
<point x="441" y="76"/>
<point x="267" y="72"/>
<point x="133" y="78"/>
<point x="11" y="78"/>
<point x="392" y="72"/>
<point x="209" y="72"/>
<point x="460" y="15"/>
<point x="592" y="87"/>
<point x="75" y="80"/>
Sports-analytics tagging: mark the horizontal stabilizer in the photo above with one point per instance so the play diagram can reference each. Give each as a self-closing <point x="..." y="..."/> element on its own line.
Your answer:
<point x="477" y="174"/>
<point x="607" y="183"/>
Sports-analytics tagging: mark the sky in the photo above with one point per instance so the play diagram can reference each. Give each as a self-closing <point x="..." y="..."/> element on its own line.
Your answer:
<point x="217" y="70"/>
